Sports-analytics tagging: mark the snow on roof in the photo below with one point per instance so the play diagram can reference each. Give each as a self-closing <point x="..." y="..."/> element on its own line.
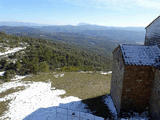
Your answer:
<point x="140" y="55"/>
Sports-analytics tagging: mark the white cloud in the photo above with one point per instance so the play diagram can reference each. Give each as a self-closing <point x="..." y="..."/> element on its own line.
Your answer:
<point x="117" y="4"/>
<point x="103" y="4"/>
<point x="155" y="4"/>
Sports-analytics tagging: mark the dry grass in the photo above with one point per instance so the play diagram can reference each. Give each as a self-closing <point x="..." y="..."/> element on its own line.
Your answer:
<point x="82" y="85"/>
<point x="90" y="87"/>
<point x="3" y="107"/>
<point x="10" y="91"/>
<point x="4" y="104"/>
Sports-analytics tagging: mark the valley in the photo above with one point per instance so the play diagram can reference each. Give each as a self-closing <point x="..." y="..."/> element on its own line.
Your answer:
<point x="79" y="60"/>
<point x="60" y="74"/>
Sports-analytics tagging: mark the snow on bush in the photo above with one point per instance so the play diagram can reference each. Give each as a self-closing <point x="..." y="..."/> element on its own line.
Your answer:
<point x="2" y="73"/>
<point x="10" y="51"/>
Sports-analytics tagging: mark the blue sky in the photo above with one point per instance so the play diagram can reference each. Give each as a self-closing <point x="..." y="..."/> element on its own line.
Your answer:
<point x="63" y="12"/>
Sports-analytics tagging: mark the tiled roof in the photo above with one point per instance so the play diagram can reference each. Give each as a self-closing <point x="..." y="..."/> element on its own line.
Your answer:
<point x="141" y="55"/>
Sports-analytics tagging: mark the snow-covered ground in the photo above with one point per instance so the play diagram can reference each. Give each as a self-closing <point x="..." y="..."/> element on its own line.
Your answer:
<point x="106" y="73"/>
<point x="2" y="73"/>
<point x="89" y="72"/>
<point x="39" y="102"/>
<point x="135" y="116"/>
<point x="101" y="72"/>
<point x="59" y="75"/>
<point x="18" y="77"/>
<point x="109" y="103"/>
<point x="14" y="50"/>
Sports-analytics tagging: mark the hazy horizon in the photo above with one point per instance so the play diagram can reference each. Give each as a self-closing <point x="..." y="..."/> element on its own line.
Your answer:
<point x="119" y="13"/>
<point x="43" y="24"/>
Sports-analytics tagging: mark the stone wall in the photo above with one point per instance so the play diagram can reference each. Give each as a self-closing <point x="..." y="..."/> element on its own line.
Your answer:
<point x="117" y="78"/>
<point x="152" y="33"/>
<point x="155" y="97"/>
<point x="136" y="88"/>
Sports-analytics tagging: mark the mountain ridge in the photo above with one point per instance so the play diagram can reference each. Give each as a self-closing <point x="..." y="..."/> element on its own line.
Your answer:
<point x="30" y="24"/>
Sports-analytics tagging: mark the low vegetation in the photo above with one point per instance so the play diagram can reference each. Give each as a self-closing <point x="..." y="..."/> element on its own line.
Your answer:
<point x="10" y="91"/>
<point x="3" y="107"/>
<point x="82" y="85"/>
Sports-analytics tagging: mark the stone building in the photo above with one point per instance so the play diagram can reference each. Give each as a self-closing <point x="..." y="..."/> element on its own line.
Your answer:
<point x="153" y="33"/>
<point x="135" y="84"/>
<point x="153" y="38"/>
<point x="155" y="97"/>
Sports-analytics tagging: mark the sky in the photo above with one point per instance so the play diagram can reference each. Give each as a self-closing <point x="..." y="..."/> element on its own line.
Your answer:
<point x="71" y="12"/>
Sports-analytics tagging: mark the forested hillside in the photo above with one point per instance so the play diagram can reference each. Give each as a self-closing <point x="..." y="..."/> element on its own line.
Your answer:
<point x="96" y="39"/>
<point x="100" y="44"/>
<point x="68" y="48"/>
<point x="118" y="34"/>
<point x="39" y="55"/>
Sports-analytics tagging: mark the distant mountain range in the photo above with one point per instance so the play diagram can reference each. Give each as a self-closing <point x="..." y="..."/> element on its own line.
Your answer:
<point x="120" y="34"/>
<point x="12" y="23"/>
<point x="96" y="39"/>
<point x="110" y="27"/>
<point x="80" y="25"/>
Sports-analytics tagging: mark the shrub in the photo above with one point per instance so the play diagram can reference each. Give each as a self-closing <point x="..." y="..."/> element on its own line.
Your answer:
<point x="8" y="75"/>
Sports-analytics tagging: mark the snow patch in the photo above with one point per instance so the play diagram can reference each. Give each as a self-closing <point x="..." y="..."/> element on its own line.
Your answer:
<point x="2" y="73"/>
<point x="59" y="75"/>
<point x="18" y="77"/>
<point x="106" y="73"/>
<point x="89" y="72"/>
<point x="57" y="113"/>
<point x="9" y="85"/>
<point x="109" y="102"/>
<point x="39" y="102"/>
<point x="14" y="50"/>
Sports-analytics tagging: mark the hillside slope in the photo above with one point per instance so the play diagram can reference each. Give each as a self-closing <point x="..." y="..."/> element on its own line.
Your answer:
<point x="40" y="55"/>
<point x="90" y="37"/>
<point x="103" y="45"/>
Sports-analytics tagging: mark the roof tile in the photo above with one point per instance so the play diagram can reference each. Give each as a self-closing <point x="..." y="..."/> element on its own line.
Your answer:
<point x="141" y="55"/>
